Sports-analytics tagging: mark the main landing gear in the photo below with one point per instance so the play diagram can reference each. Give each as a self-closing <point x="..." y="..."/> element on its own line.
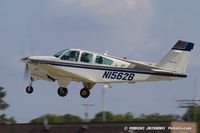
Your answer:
<point x="85" y="93"/>
<point x="62" y="91"/>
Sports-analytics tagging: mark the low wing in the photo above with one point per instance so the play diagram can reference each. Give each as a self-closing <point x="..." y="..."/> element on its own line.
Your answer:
<point x="57" y="73"/>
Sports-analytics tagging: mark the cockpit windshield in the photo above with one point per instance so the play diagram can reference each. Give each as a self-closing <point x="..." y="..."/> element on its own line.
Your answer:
<point x="60" y="53"/>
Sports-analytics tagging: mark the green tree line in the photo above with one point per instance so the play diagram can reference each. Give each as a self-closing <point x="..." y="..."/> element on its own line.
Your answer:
<point x="191" y="115"/>
<point x="110" y="117"/>
<point x="4" y="106"/>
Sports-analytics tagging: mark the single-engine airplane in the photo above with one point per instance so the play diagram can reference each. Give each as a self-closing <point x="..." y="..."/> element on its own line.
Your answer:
<point x="91" y="68"/>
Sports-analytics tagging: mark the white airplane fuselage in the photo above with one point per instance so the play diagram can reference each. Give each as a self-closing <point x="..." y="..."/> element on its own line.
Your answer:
<point x="117" y="73"/>
<point x="91" y="68"/>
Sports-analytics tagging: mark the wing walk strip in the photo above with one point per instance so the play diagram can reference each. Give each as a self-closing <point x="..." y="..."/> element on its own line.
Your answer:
<point x="111" y="69"/>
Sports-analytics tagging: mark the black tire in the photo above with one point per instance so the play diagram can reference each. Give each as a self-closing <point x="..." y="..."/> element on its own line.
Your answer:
<point x="85" y="93"/>
<point x="62" y="91"/>
<point x="29" y="89"/>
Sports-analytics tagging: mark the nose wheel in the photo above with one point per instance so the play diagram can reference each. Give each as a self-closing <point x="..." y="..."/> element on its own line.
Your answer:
<point x="62" y="91"/>
<point x="85" y="93"/>
<point x="29" y="88"/>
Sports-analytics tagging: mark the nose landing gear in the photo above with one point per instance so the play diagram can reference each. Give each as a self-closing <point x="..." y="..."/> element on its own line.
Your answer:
<point x="29" y="88"/>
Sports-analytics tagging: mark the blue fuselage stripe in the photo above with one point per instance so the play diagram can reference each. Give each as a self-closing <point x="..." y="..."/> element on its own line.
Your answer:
<point x="111" y="69"/>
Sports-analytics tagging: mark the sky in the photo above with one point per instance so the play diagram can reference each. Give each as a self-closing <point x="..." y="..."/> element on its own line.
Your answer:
<point x="142" y="30"/>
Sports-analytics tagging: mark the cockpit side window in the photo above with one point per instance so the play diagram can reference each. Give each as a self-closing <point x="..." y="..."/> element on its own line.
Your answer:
<point x="60" y="53"/>
<point x="103" y="60"/>
<point x="71" y="55"/>
<point x="86" y="57"/>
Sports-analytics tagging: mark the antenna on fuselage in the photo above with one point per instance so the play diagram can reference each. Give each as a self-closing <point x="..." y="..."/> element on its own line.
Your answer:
<point x="106" y="52"/>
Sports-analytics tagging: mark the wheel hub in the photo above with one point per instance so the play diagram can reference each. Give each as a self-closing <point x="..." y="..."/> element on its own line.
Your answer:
<point x="84" y="93"/>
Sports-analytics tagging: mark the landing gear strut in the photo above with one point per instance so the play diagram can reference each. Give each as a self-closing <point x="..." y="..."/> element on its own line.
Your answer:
<point x="62" y="91"/>
<point x="85" y="93"/>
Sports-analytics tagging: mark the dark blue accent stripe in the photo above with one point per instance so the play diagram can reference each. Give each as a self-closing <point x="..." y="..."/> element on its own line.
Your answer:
<point x="183" y="46"/>
<point x="112" y="69"/>
<point x="190" y="46"/>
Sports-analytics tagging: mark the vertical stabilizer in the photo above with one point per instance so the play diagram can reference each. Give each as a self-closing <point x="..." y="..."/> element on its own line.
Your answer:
<point x="176" y="59"/>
